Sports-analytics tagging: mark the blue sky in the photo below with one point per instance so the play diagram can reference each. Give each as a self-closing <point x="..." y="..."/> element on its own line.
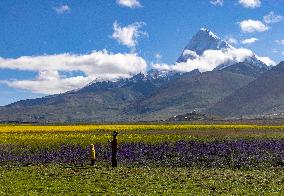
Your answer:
<point x="50" y="47"/>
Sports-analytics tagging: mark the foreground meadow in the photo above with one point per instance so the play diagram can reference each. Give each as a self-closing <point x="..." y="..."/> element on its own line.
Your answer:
<point x="102" y="180"/>
<point x="153" y="159"/>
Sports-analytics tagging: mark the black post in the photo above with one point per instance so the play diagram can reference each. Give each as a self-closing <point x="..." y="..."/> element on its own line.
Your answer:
<point x="114" y="149"/>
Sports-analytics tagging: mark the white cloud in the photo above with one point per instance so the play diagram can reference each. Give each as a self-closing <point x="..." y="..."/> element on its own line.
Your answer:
<point x="250" y="3"/>
<point x="128" y="35"/>
<point x="251" y="26"/>
<point x="271" y="17"/>
<point x="280" y="42"/>
<point x="62" y="9"/>
<point x="282" y="53"/>
<point x="158" y="56"/>
<point x="129" y="3"/>
<point x="209" y="60"/>
<point x="190" y="54"/>
<point x="232" y="40"/>
<point x="217" y="2"/>
<point x="98" y="65"/>
<point x="267" y="60"/>
<point x="249" y="41"/>
<point x="55" y="86"/>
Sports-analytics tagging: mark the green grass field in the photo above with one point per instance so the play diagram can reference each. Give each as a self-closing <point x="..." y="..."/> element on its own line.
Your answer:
<point x="58" y="180"/>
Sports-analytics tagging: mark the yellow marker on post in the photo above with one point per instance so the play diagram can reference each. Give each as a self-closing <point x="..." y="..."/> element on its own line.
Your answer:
<point x="92" y="154"/>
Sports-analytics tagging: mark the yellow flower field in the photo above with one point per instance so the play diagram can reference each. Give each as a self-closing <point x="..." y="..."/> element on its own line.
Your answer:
<point x="37" y="135"/>
<point x="139" y="127"/>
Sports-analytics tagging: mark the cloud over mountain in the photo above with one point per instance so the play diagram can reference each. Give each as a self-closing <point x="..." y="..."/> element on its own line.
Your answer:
<point x="267" y="60"/>
<point x="209" y="60"/>
<point x="100" y="65"/>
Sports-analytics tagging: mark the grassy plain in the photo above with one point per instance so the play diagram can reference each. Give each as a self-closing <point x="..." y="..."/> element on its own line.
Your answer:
<point x="54" y="179"/>
<point x="58" y="180"/>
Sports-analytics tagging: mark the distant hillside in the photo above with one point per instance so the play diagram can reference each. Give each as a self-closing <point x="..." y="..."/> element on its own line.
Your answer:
<point x="135" y="99"/>
<point x="265" y="95"/>
<point x="246" y="69"/>
<point x="190" y="92"/>
<point x="101" y="101"/>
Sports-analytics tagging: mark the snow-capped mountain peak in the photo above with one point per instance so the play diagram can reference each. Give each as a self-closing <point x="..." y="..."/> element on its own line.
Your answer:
<point x="210" y="33"/>
<point x="203" y="40"/>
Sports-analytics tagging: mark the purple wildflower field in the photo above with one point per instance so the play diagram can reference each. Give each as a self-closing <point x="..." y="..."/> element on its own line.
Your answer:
<point x="244" y="153"/>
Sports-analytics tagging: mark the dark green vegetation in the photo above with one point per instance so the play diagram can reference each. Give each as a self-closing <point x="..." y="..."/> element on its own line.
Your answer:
<point x="55" y="179"/>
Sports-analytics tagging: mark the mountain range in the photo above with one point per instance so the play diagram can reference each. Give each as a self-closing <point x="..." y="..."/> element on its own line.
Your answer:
<point x="235" y="88"/>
